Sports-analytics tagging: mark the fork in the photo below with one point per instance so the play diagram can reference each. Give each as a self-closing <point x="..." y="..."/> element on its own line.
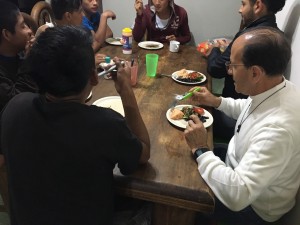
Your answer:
<point x="187" y="94"/>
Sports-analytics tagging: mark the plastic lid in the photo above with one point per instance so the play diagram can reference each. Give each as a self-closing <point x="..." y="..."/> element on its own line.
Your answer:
<point x="107" y="59"/>
<point x="127" y="30"/>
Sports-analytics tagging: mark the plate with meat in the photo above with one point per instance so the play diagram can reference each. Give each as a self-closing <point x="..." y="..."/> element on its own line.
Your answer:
<point x="188" y="77"/>
<point x="150" y="45"/>
<point x="180" y="114"/>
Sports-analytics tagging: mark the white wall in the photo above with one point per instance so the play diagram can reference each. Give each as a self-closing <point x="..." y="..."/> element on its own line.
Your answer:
<point x="289" y="21"/>
<point x="207" y="19"/>
<point x="215" y="18"/>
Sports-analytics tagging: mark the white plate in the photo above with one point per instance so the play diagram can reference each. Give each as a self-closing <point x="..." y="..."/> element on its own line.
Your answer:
<point x="113" y="41"/>
<point x="174" y="77"/>
<point x="151" y="45"/>
<point x="113" y="102"/>
<point x="183" y="123"/>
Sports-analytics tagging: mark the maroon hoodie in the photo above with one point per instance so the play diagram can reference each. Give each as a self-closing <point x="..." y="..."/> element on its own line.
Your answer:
<point x="178" y="25"/>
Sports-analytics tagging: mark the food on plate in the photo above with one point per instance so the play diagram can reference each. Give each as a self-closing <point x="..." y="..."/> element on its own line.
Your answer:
<point x="203" y="47"/>
<point x="188" y="76"/>
<point x="152" y="46"/>
<point x="176" y="114"/>
<point x="186" y="112"/>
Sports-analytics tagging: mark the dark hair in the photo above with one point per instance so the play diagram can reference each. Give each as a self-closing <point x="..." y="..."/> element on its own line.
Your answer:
<point x="273" y="6"/>
<point x="267" y="48"/>
<point x="9" y="13"/>
<point x="59" y="7"/>
<point x="62" y="60"/>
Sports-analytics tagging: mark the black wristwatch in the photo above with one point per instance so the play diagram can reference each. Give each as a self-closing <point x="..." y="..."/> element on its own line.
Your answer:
<point x="199" y="152"/>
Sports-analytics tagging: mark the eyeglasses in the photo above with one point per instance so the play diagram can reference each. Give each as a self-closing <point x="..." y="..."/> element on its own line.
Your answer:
<point x="229" y="65"/>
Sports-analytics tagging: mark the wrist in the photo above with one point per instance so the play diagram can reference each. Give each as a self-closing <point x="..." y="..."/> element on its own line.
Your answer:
<point x="200" y="151"/>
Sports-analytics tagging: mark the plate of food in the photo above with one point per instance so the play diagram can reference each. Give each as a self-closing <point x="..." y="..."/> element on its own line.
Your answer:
<point x="150" y="45"/>
<point x="113" y="102"/>
<point x="114" y="41"/>
<point x="188" y="77"/>
<point x="180" y="114"/>
<point x="222" y="42"/>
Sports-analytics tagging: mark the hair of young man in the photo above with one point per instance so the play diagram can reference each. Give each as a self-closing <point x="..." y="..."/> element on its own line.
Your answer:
<point x="267" y="48"/>
<point x="60" y="7"/>
<point x="9" y="13"/>
<point x="273" y="6"/>
<point x="62" y="60"/>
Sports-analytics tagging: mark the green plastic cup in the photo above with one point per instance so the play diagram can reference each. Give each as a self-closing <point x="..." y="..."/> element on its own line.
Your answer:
<point x="151" y="64"/>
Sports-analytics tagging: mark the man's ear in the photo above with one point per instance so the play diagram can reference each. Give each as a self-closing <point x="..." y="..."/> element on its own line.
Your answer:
<point x="67" y="16"/>
<point x="257" y="73"/>
<point x="94" y="78"/>
<point x="6" y="34"/>
<point x="259" y="7"/>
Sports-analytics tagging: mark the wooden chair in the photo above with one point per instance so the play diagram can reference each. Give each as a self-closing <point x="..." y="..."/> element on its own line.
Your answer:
<point x="42" y="13"/>
<point x="4" y="189"/>
<point x="30" y="22"/>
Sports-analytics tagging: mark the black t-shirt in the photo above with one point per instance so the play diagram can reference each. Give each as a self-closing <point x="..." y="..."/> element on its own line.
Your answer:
<point x="14" y="79"/>
<point x="60" y="159"/>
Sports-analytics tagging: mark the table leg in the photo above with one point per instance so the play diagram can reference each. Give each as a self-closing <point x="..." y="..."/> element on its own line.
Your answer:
<point x="169" y="215"/>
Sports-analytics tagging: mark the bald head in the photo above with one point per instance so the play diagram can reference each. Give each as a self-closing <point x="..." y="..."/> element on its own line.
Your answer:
<point x="265" y="47"/>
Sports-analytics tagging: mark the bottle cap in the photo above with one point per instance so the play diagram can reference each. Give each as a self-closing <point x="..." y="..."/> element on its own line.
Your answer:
<point x="126" y="30"/>
<point x="107" y="59"/>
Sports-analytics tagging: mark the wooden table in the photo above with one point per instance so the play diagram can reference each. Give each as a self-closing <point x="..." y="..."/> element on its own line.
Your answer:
<point x="170" y="179"/>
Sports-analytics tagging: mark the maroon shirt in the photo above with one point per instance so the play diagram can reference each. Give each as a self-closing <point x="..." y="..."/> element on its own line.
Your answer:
<point x="178" y="26"/>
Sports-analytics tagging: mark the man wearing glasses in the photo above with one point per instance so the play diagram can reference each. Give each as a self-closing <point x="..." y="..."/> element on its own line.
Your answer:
<point x="254" y="13"/>
<point x="257" y="180"/>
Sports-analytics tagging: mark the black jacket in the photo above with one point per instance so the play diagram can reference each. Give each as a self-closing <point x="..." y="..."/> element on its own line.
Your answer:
<point x="216" y="60"/>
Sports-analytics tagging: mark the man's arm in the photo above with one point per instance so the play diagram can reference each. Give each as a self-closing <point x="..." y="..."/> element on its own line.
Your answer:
<point x="100" y="34"/>
<point x="216" y="62"/>
<point x="132" y="114"/>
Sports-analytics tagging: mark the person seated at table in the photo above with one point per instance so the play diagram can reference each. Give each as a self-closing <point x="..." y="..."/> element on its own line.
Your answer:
<point x="254" y="13"/>
<point x="96" y="22"/>
<point x="16" y="38"/>
<point x="60" y="152"/>
<point x="256" y="181"/>
<point x="162" y="20"/>
<point x="68" y="12"/>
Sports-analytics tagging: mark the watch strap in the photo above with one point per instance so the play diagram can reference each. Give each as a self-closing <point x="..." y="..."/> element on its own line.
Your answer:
<point x="199" y="152"/>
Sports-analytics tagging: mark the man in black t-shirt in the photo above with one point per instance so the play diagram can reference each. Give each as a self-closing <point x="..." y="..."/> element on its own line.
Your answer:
<point x="15" y="37"/>
<point x="59" y="152"/>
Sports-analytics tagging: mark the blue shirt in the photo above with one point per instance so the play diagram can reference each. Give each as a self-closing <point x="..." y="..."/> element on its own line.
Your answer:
<point x="92" y="24"/>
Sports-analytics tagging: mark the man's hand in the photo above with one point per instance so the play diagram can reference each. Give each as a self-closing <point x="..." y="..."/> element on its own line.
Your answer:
<point x="122" y="78"/>
<point x="108" y="14"/>
<point x="205" y="97"/>
<point x="195" y="133"/>
<point x="99" y="58"/>
<point x="29" y="45"/>
<point x="138" y="5"/>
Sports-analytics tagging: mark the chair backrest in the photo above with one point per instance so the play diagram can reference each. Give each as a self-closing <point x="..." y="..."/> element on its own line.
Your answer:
<point x="30" y="22"/>
<point x="42" y="13"/>
<point x="4" y="188"/>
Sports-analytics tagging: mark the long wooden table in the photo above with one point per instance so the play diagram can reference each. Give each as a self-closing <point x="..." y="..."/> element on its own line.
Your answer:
<point x="170" y="179"/>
